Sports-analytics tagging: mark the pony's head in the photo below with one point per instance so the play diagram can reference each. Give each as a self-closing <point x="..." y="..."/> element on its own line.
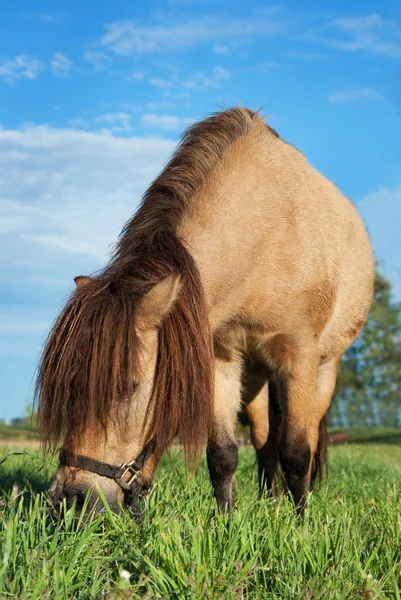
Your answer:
<point x="126" y="368"/>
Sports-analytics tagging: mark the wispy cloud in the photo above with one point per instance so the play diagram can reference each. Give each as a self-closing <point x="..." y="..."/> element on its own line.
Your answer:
<point x="60" y="65"/>
<point x="50" y="18"/>
<point x="263" y="68"/>
<point x="67" y="193"/>
<point x="97" y="59"/>
<point x="116" y="121"/>
<point x="353" y="96"/>
<point x="110" y="123"/>
<point x="133" y="37"/>
<point x="307" y="56"/>
<point x="222" y="49"/>
<point x="167" y="122"/>
<point x="22" y="66"/>
<point x="189" y="2"/>
<point x="148" y="106"/>
<point x="161" y="83"/>
<point x="371" y="33"/>
<point x="136" y="76"/>
<point x="161" y="105"/>
<point x="208" y="81"/>
<point x="78" y="123"/>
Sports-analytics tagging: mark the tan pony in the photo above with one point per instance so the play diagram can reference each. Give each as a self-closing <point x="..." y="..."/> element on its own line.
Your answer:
<point x="240" y="281"/>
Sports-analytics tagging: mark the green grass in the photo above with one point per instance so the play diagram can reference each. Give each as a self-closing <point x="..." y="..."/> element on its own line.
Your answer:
<point x="349" y="545"/>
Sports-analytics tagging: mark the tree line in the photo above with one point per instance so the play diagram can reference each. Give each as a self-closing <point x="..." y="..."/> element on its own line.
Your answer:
<point x="368" y="391"/>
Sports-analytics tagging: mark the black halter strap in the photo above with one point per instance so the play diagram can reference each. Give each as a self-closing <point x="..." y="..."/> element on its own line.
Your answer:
<point x="111" y="471"/>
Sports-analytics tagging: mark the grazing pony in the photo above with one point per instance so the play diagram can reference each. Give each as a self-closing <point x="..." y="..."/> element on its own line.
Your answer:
<point x="239" y="283"/>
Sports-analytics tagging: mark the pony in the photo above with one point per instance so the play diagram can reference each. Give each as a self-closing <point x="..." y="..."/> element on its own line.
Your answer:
<point x="239" y="283"/>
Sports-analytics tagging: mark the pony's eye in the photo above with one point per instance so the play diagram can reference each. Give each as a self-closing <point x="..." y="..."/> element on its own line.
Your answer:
<point x="130" y="391"/>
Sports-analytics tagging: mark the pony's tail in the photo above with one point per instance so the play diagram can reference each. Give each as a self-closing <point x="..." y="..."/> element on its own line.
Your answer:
<point x="319" y="467"/>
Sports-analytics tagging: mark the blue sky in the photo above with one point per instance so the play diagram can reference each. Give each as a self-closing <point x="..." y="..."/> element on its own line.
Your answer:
<point x="93" y="97"/>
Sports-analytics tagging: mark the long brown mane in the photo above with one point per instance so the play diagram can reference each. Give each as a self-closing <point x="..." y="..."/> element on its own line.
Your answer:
<point x="91" y="354"/>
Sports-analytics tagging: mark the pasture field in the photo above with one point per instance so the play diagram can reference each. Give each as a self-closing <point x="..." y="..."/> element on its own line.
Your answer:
<point x="348" y="547"/>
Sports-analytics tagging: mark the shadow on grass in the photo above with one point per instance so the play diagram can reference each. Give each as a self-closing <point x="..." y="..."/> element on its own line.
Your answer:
<point x="19" y="478"/>
<point x="25" y="472"/>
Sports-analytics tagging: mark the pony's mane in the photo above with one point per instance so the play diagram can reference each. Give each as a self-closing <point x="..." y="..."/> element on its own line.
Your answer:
<point x="91" y="354"/>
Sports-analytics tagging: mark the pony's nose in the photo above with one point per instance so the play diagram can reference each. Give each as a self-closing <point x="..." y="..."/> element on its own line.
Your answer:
<point x="75" y="495"/>
<point x="71" y="495"/>
<point x="80" y="495"/>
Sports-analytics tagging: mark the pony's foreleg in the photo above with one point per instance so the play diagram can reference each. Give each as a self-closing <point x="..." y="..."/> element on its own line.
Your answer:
<point x="222" y="449"/>
<point x="297" y="394"/>
<point x="325" y="386"/>
<point x="306" y="396"/>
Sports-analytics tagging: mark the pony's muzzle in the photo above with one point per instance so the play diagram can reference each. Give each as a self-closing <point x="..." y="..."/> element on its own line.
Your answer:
<point x="83" y="491"/>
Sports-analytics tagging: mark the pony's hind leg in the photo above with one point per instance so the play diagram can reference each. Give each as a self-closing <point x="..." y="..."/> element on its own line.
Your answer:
<point x="259" y="400"/>
<point x="222" y="449"/>
<point x="306" y="396"/>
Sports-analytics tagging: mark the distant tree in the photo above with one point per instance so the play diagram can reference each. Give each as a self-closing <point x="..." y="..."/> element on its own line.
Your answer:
<point x="29" y="418"/>
<point x="368" y="392"/>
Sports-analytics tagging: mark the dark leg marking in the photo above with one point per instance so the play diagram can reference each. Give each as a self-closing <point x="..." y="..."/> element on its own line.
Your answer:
<point x="295" y="459"/>
<point x="222" y="460"/>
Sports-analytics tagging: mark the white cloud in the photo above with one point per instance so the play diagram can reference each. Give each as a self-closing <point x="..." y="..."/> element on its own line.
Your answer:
<point x="97" y="59"/>
<point x="111" y="123"/>
<point x="221" y="49"/>
<point x="22" y="66"/>
<point x="78" y="123"/>
<point x="167" y="122"/>
<point x="149" y="106"/>
<point x="132" y="37"/>
<point x="262" y="68"/>
<point x="214" y="80"/>
<point x="189" y="2"/>
<point x="177" y="95"/>
<point x="137" y="76"/>
<point x="117" y="121"/>
<point x="360" y="24"/>
<point x="381" y="211"/>
<point x="67" y="193"/>
<point x="161" y="83"/>
<point x="162" y="105"/>
<point x="60" y="65"/>
<point x="307" y="56"/>
<point x="50" y="18"/>
<point x="371" y="33"/>
<point x="353" y="96"/>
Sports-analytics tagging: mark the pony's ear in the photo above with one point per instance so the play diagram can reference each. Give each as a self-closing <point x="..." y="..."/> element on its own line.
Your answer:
<point x="82" y="280"/>
<point x="158" y="302"/>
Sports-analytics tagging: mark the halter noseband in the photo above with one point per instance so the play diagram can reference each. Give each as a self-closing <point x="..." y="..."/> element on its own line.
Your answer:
<point x="111" y="471"/>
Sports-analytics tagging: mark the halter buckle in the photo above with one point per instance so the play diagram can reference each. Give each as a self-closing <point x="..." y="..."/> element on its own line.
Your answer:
<point x="135" y="474"/>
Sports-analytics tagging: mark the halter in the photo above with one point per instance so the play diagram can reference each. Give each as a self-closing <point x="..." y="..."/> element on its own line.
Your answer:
<point x="112" y="471"/>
